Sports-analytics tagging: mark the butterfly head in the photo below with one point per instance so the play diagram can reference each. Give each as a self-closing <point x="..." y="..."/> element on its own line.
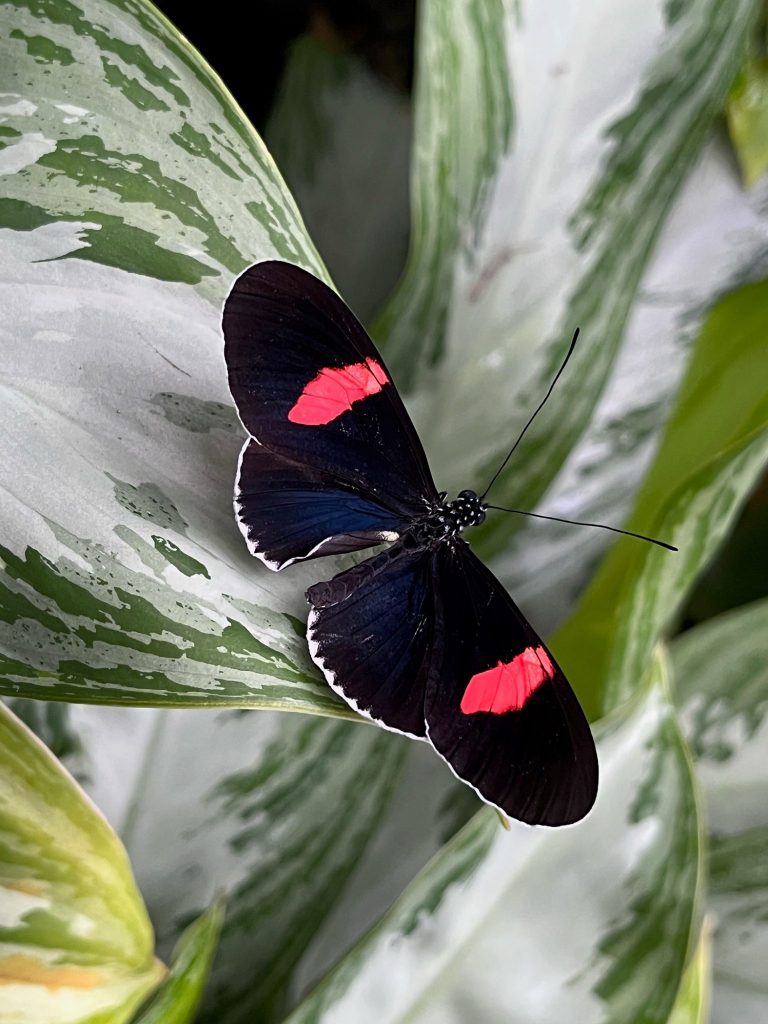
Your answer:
<point x="466" y="510"/>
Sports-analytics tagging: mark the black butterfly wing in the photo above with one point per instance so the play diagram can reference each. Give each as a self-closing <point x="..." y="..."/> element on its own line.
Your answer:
<point x="335" y="463"/>
<point x="310" y="386"/>
<point x="498" y="708"/>
<point x="289" y="511"/>
<point x="370" y="631"/>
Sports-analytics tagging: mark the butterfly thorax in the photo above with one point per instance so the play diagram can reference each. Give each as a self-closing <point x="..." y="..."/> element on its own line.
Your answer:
<point x="449" y="518"/>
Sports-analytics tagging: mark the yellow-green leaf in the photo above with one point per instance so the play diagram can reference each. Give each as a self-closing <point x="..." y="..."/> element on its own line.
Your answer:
<point x="180" y="994"/>
<point x="76" y="945"/>
<point x="747" y="114"/>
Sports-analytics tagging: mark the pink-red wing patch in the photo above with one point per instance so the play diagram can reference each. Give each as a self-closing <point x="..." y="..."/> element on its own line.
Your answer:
<point x="508" y="685"/>
<point x="333" y="391"/>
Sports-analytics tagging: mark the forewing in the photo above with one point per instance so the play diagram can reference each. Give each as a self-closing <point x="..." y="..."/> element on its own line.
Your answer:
<point x="310" y="386"/>
<point x="370" y="631"/>
<point x="498" y="708"/>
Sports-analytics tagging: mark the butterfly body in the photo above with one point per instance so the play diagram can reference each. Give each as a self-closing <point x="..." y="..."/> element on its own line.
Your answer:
<point x="420" y="637"/>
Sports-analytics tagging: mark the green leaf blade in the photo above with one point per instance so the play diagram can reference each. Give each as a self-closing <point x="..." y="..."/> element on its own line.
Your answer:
<point x="75" y="943"/>
<point x="179" y="996"/>
<point x="747" y="114"/>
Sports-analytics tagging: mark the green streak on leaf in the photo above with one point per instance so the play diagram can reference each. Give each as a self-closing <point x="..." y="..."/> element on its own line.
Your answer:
<point x="178" y="998"/>
<point x="62" y="12"/>
<point x="738" y="866"/>
<point x="185" y="563"/>
<point x="133" y="178"/>
<point x="134" y="92"/>
<point x="21" y="216"/>
<point x="117" y="244"/>
<point x="456" y="862"/>
<point x="44" y="50"/>
<point x="196" y="414"/>
<point x="148" y="502"/>
<point x="197" y="144"/>
<point x="111" y="242"/>
<point x="637" y="944"/>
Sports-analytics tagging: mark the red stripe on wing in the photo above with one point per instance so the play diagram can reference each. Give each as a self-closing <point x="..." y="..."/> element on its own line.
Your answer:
<point x="508" y="685"/>
<point x="333" y="391"/>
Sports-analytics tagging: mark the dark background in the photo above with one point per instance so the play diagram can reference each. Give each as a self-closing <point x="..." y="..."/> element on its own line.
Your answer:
<point x="250" y="57"/>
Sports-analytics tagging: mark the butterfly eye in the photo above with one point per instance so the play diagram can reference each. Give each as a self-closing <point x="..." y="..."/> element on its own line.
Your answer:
<point x="471" y="495"/>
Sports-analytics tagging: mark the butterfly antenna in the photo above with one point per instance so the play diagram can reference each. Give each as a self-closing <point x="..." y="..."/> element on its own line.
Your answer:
<point x="599" y="526"/>
<point x="535" y="414"/>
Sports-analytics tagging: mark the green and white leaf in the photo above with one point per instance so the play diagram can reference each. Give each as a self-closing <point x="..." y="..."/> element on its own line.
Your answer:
<point x="722" y="684"/>
<point x="718" y="431"/>
<point x="274" y="812"/>
<point x="475" y="927"/>
<point x="573" y="211"/>
<point x="133" y="191"/>
<point x="179" y="996"/>
<point x="427" y="808"/>
<point x="715" y="238"/>
<point x="462" y="125"/>
<point x="76" y="945"/>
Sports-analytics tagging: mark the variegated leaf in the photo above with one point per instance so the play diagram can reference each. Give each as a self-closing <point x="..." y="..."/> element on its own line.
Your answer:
<point x="133" y="191"/>
<point x="472" y="937"/>
<point x="714" y="448"/>
<point x="272" y="810"/>
<point x="715" y="239"/>
<point x="573" y="212"/>
<point x="721" y="669"/>
<point x="75" y="941"/>
<point x="462" y="126"/>
<point x="427" y="808"/>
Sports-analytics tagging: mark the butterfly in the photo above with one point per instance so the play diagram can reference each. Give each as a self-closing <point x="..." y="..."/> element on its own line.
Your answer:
<point x="420" y="637"/>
